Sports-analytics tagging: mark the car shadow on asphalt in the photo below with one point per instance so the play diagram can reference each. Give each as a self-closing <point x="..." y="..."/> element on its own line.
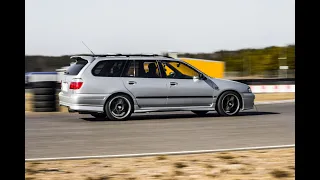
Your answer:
<point x="144" y="116"/>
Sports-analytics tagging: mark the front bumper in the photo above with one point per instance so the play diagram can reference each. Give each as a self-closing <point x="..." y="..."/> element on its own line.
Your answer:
<point x="248" y="101"/>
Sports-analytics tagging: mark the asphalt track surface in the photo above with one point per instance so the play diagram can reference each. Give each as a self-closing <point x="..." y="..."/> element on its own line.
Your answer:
<point x="63" y="135"/>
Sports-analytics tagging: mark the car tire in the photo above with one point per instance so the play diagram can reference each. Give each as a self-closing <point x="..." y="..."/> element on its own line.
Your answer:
<point x="98" y="115"/>
<point x="44" y="91"/>
<point x="44" y="84"/>
<point x="44" y="98"/>
<point x="200" y="113"/>
<point x="44" y="104"/>
<point x="229" y="104"/>
<point x="119" y="107"/>
<point x="50" y="109"/>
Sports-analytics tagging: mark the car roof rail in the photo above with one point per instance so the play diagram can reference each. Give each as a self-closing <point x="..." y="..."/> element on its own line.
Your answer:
<point x="126" y="55"/>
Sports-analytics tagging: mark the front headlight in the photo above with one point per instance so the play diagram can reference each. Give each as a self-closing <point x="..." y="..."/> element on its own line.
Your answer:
<point x="249" y="90"/>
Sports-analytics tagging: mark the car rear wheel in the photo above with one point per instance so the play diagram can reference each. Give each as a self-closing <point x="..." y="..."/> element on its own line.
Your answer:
<point x="200" y="113"/>
<point x="228" y="104"/>
<point x="119" y="107"/>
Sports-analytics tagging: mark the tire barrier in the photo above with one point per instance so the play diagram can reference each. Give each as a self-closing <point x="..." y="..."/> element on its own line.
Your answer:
<point x="43" y="87"/>
<point x="44" y="96"/>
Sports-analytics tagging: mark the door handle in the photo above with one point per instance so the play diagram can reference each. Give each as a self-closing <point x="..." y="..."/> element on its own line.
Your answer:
<point x="132" y="82"/>
<point x="173" y="83"/>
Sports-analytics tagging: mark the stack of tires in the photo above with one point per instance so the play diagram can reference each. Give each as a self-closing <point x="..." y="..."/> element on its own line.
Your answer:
<point x="44" y="96"/>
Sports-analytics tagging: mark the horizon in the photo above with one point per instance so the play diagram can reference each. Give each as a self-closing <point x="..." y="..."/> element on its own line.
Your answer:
<point x="292" y="44"/>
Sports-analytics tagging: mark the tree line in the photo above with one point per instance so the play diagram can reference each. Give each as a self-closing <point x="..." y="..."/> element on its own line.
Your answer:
<point x="252" y="61"/>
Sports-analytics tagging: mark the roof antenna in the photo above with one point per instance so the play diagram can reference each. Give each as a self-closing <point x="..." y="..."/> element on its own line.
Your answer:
<point x="88" y="48"/>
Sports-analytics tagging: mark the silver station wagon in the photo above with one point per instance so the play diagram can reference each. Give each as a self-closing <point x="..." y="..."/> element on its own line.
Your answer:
<point x="115" y="86"/>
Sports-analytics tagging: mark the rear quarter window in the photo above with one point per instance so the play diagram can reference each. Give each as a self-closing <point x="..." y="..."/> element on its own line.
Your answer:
<point x="76" y="67"/>
<point x="109" y="68"/>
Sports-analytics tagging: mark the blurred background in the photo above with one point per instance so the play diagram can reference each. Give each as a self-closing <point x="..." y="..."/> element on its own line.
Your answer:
<point x="269" y="62"/>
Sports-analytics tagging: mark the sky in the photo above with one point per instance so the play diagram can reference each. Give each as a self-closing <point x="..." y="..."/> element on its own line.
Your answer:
<point x="58" y="27"/>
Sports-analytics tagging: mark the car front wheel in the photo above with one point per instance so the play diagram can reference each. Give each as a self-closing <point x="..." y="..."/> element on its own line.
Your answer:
<point x="228" y="104"/>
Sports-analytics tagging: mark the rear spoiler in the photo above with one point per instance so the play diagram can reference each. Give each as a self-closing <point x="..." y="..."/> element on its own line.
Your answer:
<point x="87" y="58"/>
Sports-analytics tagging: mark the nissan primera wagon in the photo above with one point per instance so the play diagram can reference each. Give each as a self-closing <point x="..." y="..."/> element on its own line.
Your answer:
<point x="115" y="86"/>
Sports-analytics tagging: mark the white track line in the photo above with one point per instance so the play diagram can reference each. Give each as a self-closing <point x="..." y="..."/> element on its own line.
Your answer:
<point x="159" y="153"/>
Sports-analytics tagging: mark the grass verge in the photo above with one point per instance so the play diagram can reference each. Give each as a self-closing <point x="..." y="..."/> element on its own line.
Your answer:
<point x="274" y="96"/>
<point x="254" y="165"/>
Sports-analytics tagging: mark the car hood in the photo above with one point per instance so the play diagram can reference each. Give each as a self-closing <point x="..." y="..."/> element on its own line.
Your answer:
<point x="225" y="84"/>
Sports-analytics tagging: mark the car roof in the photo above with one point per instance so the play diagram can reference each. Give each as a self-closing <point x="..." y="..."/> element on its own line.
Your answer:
<point x="121" y="56"/>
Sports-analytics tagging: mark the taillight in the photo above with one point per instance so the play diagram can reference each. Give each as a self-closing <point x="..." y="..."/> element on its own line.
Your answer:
<point x="76" y="84"/>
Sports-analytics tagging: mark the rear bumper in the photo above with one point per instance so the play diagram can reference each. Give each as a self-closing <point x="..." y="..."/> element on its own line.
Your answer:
<point x="248" y="101"/>
<point x="83" y="102"/>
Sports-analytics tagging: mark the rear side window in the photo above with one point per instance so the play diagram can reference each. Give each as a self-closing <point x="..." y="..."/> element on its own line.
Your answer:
<point x="109" y="68"/>
<point x="142" y="69"/>
<point x="76" y="67"/>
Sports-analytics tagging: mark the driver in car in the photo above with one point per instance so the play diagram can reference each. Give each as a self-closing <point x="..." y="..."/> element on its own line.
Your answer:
<point x="152" y="71"/>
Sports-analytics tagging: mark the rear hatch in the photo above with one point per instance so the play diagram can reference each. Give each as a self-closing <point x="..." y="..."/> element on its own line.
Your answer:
<point x="71" y="80"/>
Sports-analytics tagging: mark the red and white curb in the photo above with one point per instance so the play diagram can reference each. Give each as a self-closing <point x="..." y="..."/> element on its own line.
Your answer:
<point x="272" y="88"/>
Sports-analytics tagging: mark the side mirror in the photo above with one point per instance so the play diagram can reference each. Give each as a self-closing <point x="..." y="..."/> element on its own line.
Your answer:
<point x="202" y="77"/>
